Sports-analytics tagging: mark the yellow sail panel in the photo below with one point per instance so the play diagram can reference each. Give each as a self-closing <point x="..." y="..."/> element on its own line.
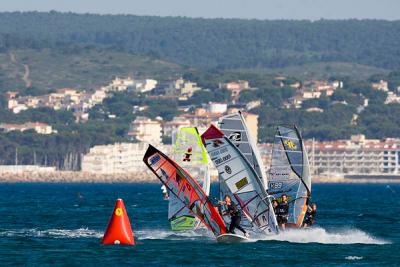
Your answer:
<point x="189" y="147"/>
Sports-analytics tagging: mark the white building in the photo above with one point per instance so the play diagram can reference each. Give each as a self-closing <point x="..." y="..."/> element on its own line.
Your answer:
<point x="392" y="98"/>
<point x="146" y="130"/>
<point x="117" y="158"/>
<point x="143" y="86"/>
<point x="355" y="157"/>
<point x="215" y="108"/>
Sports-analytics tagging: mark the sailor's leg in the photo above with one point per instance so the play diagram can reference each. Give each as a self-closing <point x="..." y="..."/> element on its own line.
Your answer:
<point x="232" y="226"/>
<point x="236" y="220"/>
<point x="241" y="229"/>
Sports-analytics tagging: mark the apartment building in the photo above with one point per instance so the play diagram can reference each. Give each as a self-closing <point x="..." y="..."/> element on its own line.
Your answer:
<point x="181" y="88"/>
<point x="117" y="158"/>
<point x="144" y="129"/>
<point x="355" y="157"/>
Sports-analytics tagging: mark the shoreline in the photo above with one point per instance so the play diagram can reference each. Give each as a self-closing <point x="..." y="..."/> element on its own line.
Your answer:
<point x="145" y="177"/>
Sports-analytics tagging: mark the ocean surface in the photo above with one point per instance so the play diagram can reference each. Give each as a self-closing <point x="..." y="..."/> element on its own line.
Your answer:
<point x="62" y="224"/>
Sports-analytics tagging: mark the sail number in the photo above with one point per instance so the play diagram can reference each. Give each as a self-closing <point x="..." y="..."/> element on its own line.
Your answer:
<point x="275" y="185"/>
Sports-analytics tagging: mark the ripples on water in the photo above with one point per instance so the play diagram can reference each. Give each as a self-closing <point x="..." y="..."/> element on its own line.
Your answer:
<point x="62" y="224"/>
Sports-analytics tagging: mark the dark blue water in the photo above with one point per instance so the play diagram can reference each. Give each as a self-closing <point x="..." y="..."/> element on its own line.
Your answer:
<point x="62" y="224"/>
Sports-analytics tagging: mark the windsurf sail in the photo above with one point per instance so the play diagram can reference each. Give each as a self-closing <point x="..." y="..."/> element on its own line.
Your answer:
<point x="190" y="153"/>
<point x="290" y="172"/>
<point x="235" y="128"/>
<point x="237" y="175"/>
<point x="185" y="188"/>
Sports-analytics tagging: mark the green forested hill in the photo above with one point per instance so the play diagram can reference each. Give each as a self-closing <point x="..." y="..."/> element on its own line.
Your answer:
<point x="223" y="43"/>
<point x="75" y="66"/>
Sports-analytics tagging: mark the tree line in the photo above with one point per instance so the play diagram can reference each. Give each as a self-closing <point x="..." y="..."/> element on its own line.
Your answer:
<point x="210" y="43"/>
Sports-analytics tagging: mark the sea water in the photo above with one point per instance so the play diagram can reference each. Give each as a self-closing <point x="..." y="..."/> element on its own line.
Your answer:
<point x="62" y="225"/>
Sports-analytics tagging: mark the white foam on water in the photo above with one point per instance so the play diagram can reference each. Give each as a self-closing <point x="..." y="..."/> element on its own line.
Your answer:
<point x="354" y="258"/>
<point x="53" y="233"/>
<point x="173" y="235"/>
<point x="320" y="235"/>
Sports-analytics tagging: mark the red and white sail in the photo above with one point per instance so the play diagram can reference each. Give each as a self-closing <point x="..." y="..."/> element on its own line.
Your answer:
<point x="185" y="188"/>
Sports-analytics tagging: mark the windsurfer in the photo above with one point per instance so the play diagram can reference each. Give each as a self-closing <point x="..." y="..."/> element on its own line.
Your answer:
<point x="165" y="192"/>
<point x="282" y="212"/>
<point x="235" y="214"/>
<point x="310" y="215"/>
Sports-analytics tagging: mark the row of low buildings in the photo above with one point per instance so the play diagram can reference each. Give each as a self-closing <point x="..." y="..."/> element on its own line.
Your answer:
<point x="148" y="130"/>
<point x="355" y="158"/>
<point x="117" y="158"/>
<point x="316" y="89"/>
<point x="311" y="90"/>
<point x="38" y="127"/>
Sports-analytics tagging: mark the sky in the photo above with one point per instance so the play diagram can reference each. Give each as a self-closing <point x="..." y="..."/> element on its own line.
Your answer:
<point x="248" y="9"/>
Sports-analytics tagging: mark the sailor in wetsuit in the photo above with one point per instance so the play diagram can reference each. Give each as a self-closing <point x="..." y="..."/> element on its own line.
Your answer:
<point x="311" y="213"/>
<point x="235" y="214"/>
<point x="282" y="212"/>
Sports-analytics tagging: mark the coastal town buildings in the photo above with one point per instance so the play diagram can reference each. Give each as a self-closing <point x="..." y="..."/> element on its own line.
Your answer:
<point x="120" y="84"/>
<point x="235" y="87"/>
<point x="79" y="102"/>
<point x="381" y="85"/>
<point x="144" y="129"/>
<point x="174" y="125"/>
<point x="117" y="158"/>
<point x="216" y="108"/>
<point x="312" y="90"/>
<point x="145" y="85"/>
<point x="392" y="98"/>
<point x="181" y="88"/>
<point x="38" y="127"/>
<point x="355" y="158"/>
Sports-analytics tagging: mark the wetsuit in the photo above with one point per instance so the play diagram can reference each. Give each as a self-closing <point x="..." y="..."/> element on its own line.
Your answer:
<point x="310" y="217"/>
<point x="282" y="213"/>
<point x="236" y="217"/>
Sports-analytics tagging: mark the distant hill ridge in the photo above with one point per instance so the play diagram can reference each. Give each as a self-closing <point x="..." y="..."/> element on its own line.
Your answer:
<point x="211" y="43"/>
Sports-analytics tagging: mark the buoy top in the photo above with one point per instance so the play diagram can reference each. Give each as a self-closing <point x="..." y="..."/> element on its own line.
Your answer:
<point x="119" y="228"/>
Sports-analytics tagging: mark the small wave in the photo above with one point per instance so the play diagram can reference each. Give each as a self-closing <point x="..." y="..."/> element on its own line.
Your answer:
<point x="320" y="235"/>
<point x="354" y="258"/>
<point x="172" y="235"/>
<point x="53" y="233"/>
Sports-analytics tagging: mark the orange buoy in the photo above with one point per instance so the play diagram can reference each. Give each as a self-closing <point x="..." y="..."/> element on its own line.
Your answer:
<point x="119" y="228"/>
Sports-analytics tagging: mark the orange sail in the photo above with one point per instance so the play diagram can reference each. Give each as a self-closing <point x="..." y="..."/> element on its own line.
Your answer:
<point x="185" y="188"/>
<point x="119" y="228"/>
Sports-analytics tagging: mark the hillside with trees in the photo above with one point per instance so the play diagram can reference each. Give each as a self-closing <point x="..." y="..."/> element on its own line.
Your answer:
<point x="42" y="52"/>
<point x="211" y="43"/>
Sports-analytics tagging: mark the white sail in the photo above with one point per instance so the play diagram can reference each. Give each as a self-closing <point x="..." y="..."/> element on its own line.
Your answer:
<point x="235" y="128"/>
<point x="237" y="174"/>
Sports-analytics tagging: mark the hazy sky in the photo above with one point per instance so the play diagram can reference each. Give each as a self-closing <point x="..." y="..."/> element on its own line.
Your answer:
<point x="259" y="9"/>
